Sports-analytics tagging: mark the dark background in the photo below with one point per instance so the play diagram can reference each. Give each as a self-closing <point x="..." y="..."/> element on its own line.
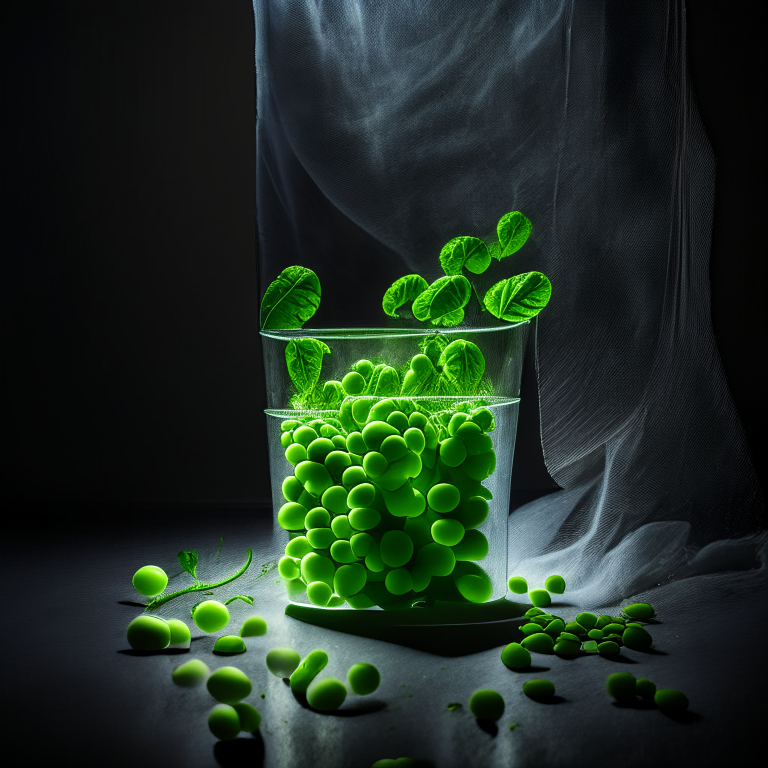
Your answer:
<point x="131" y="363"/>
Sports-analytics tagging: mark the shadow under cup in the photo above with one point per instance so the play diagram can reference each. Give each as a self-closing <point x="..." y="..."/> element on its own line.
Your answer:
<point x="503" y="349"/>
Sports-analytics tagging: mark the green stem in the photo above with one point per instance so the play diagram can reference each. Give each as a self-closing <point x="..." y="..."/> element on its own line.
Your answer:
<point x="199" y="587"/>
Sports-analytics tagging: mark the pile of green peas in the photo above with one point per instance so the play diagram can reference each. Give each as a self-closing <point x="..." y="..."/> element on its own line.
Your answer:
<point x="384" y="506"/>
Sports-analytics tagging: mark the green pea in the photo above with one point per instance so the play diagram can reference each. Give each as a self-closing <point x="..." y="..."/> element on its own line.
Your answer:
<point x="353" y="383"/>
<point x="443" y="497"/>
<point x="374" y="464"/>
<point x="286" y="439"/>
<point x="327" y="694"/>
<point x="318" y="517"/>
<point x="517" y="584"/>
<point x="314" y="477"/>
<point x="472" y="513"/>
<point x="475" y="587"/>
<point x="393" y="448"/>
<point x="298" y="547"/>
<point x="353" y="476"/>
<point x="515" y="656"/>
<point x="555" y="627"/>
<point x="621" y="686"/>
<point x="531" y="612"/>
<point x="224" y="722"/>
<point x="291" y="516"/>
<point x="530" y="628"/>
<point x="555" y="585"/>
<point x="539" y="597"/>
<point x="180" y="634"/>
<point x="315" y="567"/>
<point x="636" y="638"/>
<point x="363" y="678"/>
<point x="148" y="633"/>
<point x="319" y="593"/>
<point x="486" y="704"/>
<point x="575" y="628"/>
<point x="567" y="647"/>
<point x="321" y="538"/>
<point x="373" y="561"/>
<point x="613" y="628"/>
<point x="539" y="689"/>
<point x="569" y="636"/>
<point x="361" y="544"/>
<point x="250" y="719"/>
<point x="319" y="449"/>
<point x="418" y="420"/>
<point x="289" y="425"/>
<point x="539" y="642"/>
<point x="456" y="421"/>
<point x="375" y="432"/>
<point x="481" y="466"/>
<point x="453" y="452"/>
<point x="282" y="662"/>
<point x="308" y="670"/>
<point x="349" y="579"/>
<point x="608" y="648"/>
<point x="288" y="568"/>
<point x="341" y="527"/>
<point x="396" y="548"/>
<point x="436" y="559"/>
<point x="307" y="500"/>
<point x="229" y="685"/>
<point x="341" y="552"/>
<point x="595" y="634"/>
<point x="211" y="616"/>
<point x="399" y="581"/>
<point x="295" y="454"/>
<point x="603" y="621"/>
<point x="304" y="435"/>
<point x="253" y="626"/>
<point x="645" y="688"/>
<point x="336" y="462"/>
<point x="355" y="443"/>
<point x="339" y="442"/>
<point x="190" y="674"/>
<point x="398" y="420"/>
<point x="362" y="495"/>
<point x="587" y="620"/>
<point x="447" y="532"/>
<point x="150" y="580"/>
<point x="364" y="519"/>
<point x="335" y="499"/>
<point x="483" y="417"/>
<point x="589" y="647"/>
<point x="415" y="440"/>
<point x="639" y="611"/>
<point x="292" y="488"/>
<point x="229" y="644"/>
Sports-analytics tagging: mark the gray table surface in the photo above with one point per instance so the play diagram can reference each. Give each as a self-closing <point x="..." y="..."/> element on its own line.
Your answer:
<point x="77" y="698"/>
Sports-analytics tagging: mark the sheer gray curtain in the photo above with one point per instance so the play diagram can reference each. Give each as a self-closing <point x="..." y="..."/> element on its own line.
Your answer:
<point x="386" y="128"/>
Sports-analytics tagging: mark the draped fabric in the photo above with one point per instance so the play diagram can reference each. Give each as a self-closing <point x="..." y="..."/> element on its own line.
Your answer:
<point x="386" y="128"/>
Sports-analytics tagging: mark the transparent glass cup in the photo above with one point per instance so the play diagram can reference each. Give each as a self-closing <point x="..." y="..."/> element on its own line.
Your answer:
<point x="503" y="350"/>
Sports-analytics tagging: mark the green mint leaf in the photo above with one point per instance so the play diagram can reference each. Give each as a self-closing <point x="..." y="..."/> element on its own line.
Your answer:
<point x="188" y="561"/>
<point x="449" y="320"/>
<point x="245" y="598"/>
<point x="469" y="252"/>
<point x="384" y="381"/>
<point x="463" y="366"/>
<point x="333" y="394"/>
<point x="304" y="358"/>
<point x="420" y="378"/>
<point x="401" y="292"/>
<point x="432" y="347"/>
<point x="495" y="250"/>
<point x="444" y="297"/>
<point x="513" y="230"/>
<point x="291" y="299"/>
<point x="519" y="298"/>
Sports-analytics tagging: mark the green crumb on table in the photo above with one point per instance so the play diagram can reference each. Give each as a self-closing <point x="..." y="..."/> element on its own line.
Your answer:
<point x="512" y="726"/>
<point x="229" y="644"/>
<point x="148" y="633"/>
<point x="150" y="580"/>
<point x="539" y="689"/>
<point x="670" y="701"/>
<point x="555" y="584"/>
<point x="363" y="678"/>
<point x="621" y="686"/>
<point x="253" y="626"/>
<point x="486" y="704"/>
<point x="454" y="705"/>
<point x="518" y="585"/>
<point x="263" y="695"/>
<point x="210" y="616"/>
<point x="282" y="662"/>
<point x="229" y="685"/>
<point x="540" y="598"/>
<point x="191" y="673"/>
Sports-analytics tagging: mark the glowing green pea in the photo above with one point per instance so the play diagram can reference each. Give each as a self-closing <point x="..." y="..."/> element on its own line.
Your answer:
<point x="393" y="448"/>
<point x="180" y="634"/>
<point x="595" y="634"/>
<point x="229" y="644"/>
<point x="211" y="616"/>
<point x="321" y="538"/>
<point x="374" y="464"/>
<point x="539" y="597"/>
<point x="398" y="420"/>
<point x="314" y="477"/>
<point x="539" y="689"/>
<point x="645" y="688"/>
<point x="289" y="425"/>
<point x="341" y="552"/>
<point x="363" y="678"/>
<point x="395" y="548"/>
<point x="291" y="516"/>
<point x="418" y="420"/>
<point x="253" y="626"/>
<point x="318" y="517"/>
<point x="288" y="568"/>
<point x="456" y="421"/>
<point x="569" y="636"/>
<point x="621" y="686"/>
<point x="373" y="561"/>
<point x="286" y="439"/>
<point x="229" y="685"/>
<point x="304" y="435"/>
<point x="353" y="383"/>
<point x="298" y="547"/>
<point x="415" y="440"/>
<point x="517" y="584"/>
<point x="282" y="662"/>
<point x="319" y="593"/>
<point x="353" y="476"/>
<point x="555" y="627"/>
<point x="224" y="722"/>
<point x="375" y="432"/>
<point x="327" y="694"/>
<point x="515" y="656"/>
<point x="356" y="444"/>
<point x="341" y="527"/>
<point x="443" y="497"/>
<point x="486" y="704"/>
<point x="308" y="670"/>
<point x="364" y="519"/>
<point x="349" y="579"/>
<point x="150" y="580"/>
<point x="539" y="642"/>
<point x="250" y="719"/>
<point x="453" y="452"/>
<point x="335" y="499"/>
<point x="483" y="417"/>
<point x="472" y="582"/>
<point x="613" y="628"/>
<point x="399" y="581"/>
<point x="608" y="648"/>
<point x="315" y="567"/>
<point x="292" y="488"/>
<point x="530" y="629"/>
<point x="636" y="638"/>
<point x="190" y="674"/>
<point x="361" y="544"/>
<point x="603" y="621"/>
<point x="362" y="495"/>
<point x="148" y="633"/>
<point x="319" y="449"/>
<point x="336" y="462"/>
<point x="639" y="611"/>
<point x="295" y="454"/>
<point x="555" y="585"/>
<point x="447" y="532"/>
<point x="436" y="559"/>
<point x="587" y="620"/>
<point x="575" y="628"/>
<point x="339" y="442"/>
<point x="567" y="647"/>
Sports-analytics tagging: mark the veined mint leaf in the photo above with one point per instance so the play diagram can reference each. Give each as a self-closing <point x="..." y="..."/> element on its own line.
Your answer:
<point x="304" y="358"/>
<point x="513" y="230"/>
<point x="291" y="299"/>
<point x="519" y="298"/>
<point x="401" y="292"/>
<point x="469" y="252"/>
<point x="188" y="561"/>
<point x="449" y="320"/>
<point x="445" y="296"/>
<point x="463" y="366"/>
<point x="432" y="347"/>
